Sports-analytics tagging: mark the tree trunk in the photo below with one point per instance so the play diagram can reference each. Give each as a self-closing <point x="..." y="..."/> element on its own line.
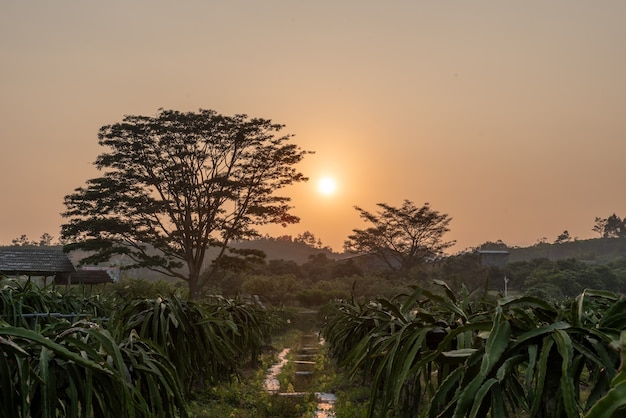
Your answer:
<point x="196" y="288"/>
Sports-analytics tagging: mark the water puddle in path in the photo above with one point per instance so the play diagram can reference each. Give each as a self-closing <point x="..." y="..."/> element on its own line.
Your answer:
<point x="325" y="405"/>
<point x="272" y="384"/>
<point x="304" y="362"/>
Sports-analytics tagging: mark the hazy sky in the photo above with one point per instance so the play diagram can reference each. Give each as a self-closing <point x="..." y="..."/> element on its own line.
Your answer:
<point x="508" y="116"/>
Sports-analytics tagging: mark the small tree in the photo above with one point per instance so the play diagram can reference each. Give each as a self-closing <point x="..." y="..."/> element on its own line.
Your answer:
<point x="599" y="226"/>
<point x="611" y="227"/>
<point x="307" y="238"/>
<point x="45" y="240"/>
<point x="403" y="237"/>
<point x="563" y="238"/>
<point x="615" y="227"/>
<point x="22" y="241"/>
<point x="176" y="184"/>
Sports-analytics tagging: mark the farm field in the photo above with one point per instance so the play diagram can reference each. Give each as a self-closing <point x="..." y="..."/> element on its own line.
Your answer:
<point x="422" y="354"/>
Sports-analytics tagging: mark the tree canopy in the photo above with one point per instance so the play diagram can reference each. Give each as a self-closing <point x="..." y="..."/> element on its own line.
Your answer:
<point x="23" y="241"/>
<point x="611" y="227"/>
<point x="176" y="184"/>
<point x="401" y="237"/>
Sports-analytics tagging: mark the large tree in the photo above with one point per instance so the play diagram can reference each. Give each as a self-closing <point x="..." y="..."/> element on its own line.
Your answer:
<point x="401" y="237"/>
<point x="178" y="183"/>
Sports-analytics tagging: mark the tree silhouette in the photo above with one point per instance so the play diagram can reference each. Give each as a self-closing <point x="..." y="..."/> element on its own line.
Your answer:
<point x="563" y="238"/>
<point x="176" y="184"/>
<point x="401" y="237"/>
<point x="611" y="227"/>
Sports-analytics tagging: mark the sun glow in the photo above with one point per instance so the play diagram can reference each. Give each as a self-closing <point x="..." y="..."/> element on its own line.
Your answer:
<point x="327" y="185"/>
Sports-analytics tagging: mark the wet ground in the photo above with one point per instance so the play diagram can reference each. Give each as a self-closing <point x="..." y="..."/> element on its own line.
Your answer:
<point x="304" y="381"/>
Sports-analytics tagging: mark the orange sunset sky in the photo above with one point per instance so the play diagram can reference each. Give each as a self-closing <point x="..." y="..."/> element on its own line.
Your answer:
<point x="508" y="116"/>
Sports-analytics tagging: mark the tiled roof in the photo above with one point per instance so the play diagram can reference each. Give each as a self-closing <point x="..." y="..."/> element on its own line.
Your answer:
<point x="33" y="262"/>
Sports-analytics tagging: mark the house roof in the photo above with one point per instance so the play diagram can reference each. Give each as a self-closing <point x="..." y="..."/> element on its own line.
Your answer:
<point x="495" y="258"/>
<point x="33" y="262"/>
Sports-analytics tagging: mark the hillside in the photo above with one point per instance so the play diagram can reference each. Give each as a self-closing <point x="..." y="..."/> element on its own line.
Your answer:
<point x="599" y="250"/>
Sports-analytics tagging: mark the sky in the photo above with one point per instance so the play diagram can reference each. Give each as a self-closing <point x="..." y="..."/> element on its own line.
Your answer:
<point x="507" y="116"/>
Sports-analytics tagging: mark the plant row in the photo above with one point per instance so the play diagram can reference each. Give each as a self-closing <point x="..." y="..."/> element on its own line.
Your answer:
<point x="83" y="356"/>
<point x="441" y="354"/>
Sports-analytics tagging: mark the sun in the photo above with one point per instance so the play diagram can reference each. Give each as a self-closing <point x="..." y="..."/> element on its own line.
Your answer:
<point x="327" y="185"/>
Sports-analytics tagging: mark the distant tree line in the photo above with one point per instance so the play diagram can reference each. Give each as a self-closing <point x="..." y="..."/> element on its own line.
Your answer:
<point x="610" y="227"/>
<point x="565" y="278"/>
<point x="23" y="241"/>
